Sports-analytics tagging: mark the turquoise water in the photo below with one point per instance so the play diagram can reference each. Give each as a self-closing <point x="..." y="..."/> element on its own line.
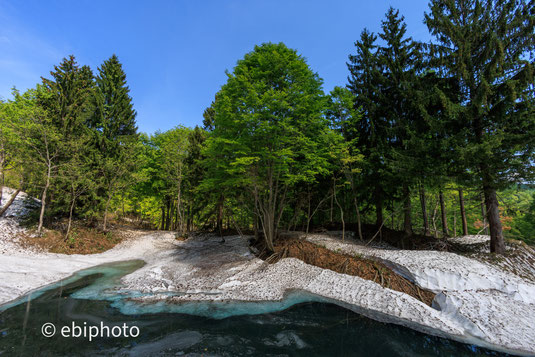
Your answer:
<point x="301" y="325"/>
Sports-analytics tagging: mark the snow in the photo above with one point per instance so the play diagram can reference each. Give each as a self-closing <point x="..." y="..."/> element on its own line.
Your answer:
<point x="440" y="271"/>
<point x="9" y="223"/>
<point x="476" y="303"/>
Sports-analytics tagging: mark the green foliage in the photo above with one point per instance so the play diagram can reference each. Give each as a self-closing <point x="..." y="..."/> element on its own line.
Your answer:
<point x="274" y="151"/>
<point x="268" y="130"/>
<point x="486" y="47"/>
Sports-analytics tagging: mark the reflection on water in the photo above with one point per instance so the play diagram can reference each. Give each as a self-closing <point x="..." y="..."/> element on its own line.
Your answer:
<point x="304" y="329"/>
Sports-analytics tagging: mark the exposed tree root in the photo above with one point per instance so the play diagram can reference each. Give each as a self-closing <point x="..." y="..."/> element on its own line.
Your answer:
<point x="346" y="264"/>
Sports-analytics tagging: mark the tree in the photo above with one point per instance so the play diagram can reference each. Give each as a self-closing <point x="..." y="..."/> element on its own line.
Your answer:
<point x="195" y="173"/>
<point x="344" y="121"/>
<point x="114" y="128"/>
<point x="67" y="96"/>
<point x="42" y="142"/>
<point x="8" y="143"/>
<point x="400" y="61"/>
<point x="67" y="100"/>
<point x="365" y="82"/>
<point x="268" y="130"/>
<point x="488" y="48"/>
<point x="384" y="79"/>
<point x="174" y="146"/>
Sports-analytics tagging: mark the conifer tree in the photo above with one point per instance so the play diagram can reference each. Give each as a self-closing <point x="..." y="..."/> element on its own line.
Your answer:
<point x="115" y="117"/>
<point x="66" y="100"/>
<point x="400" y="60"/>
<point x="372" y="133"/>
<point x="114" y="126"/>
<point x="68" y="96"/>
<point x="488" y="48"/>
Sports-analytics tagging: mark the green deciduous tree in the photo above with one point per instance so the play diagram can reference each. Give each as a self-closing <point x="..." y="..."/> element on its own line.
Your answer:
<point x="269" y="129"/>
<point x="42" y="143"/>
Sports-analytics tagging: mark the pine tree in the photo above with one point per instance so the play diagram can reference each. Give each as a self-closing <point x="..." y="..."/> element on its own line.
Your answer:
<point x="487" y="47"/>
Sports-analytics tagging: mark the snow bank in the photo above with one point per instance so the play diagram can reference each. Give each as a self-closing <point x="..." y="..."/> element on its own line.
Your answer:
<point x="440" y="271"/>
<point x="488" y="304"/>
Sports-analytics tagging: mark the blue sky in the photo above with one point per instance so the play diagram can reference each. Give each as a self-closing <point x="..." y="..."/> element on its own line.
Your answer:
<point x="175" y="53"/>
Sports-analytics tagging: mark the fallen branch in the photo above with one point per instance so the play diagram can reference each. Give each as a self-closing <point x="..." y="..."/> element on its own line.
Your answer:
<point x="375" y="235"/>
<point x="8" y="203"/>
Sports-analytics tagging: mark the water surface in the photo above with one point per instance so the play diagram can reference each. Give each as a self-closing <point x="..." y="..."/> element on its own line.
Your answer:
<point x="301" y="329"/>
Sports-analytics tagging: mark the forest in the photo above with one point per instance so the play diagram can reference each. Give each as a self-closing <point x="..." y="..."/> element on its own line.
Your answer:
<point x="430" y="140"/>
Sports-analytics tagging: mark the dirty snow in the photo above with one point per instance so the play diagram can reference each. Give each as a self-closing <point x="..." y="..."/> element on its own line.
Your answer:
<point x="476" y="302"/>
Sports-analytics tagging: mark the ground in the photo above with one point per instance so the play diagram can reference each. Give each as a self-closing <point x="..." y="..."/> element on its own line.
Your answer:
<point x="476" y="301"/>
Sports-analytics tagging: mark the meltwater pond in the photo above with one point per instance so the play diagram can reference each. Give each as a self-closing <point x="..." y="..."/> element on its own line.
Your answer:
<point x="299" y="326"/>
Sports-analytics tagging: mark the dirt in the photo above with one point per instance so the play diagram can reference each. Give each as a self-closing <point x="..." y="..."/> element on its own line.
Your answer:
<point x="81" y="240"/>
<point x="347" y="264"/>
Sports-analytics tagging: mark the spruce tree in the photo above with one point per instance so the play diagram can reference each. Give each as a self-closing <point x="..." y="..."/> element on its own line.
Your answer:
<point x="487" y="47"/>
<point x="67" y="96"/>
<point x="115" y="117"/>
<point x="372" y="130"/>
<point x="384" y="79"/>
<point x="66" y="100"/>
<point x="114" y="126"/>
<point x="400" y="61"/>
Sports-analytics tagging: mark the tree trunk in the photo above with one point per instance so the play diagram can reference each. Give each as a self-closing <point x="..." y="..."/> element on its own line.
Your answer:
<point x="463" y="213"/>
<point x="341" y="212"/>
<point x="167" y="214"/>
<point x="9" y="202"/>
<point x="269" y="230"/>
<point x="497" y="244"/>
<point x="219" y="223"/>
<point x="424" y="209"/>
<point x="255" y="228"/>
<point x="1" y="182"/>
<point x="332" y="203"/>
<point x="359" y="224"/>
<point x="180" y="224"/>
<point x="43" y="200"/>
<point x="189" y="219"/>
<point x="356" y="204"/>
<point x="70" y="217"/>
<point x="484" y="216"/>
<point x="104" y="224"/>
<point x="308" y="212"/>
<point x="162" y="225"/>
<point x="393" y="214"/>
<point x="434" y="219"/>
<point x="378" y="209"/>
<point x="407" y="222"/>
<point x="454" y="223"/>
<point x="443" y="214"/>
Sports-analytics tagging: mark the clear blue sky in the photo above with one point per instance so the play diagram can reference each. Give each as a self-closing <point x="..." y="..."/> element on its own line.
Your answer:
<point x="175" y="53"/>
